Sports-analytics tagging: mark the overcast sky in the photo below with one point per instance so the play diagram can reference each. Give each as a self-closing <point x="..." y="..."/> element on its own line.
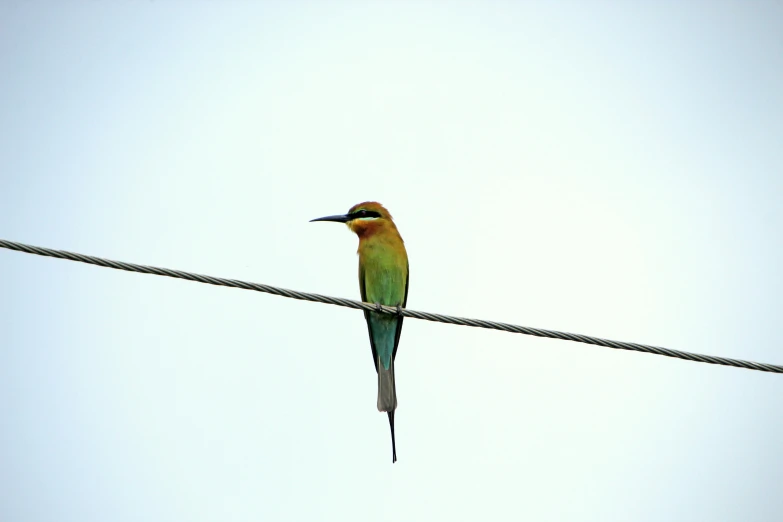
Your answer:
<point x="606" y="168"/>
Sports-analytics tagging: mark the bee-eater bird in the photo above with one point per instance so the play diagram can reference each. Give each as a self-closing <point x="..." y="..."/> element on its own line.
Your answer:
<point x="383" y="279"/>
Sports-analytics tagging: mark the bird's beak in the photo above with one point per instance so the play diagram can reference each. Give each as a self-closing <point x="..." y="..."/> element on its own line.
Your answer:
<point x="338" y="219"/>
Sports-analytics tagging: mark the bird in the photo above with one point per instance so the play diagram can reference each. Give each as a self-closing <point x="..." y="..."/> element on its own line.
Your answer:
<point x="383" y="280"/>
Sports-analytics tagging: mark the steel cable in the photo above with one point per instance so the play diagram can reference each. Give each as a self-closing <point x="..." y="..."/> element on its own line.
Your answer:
<point x="406" y="312"/>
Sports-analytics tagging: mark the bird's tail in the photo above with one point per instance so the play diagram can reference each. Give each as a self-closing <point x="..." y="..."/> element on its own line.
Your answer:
<point x="387" y="391"/>
<point x="394" y="444"/>
<point x="387" y="398"/>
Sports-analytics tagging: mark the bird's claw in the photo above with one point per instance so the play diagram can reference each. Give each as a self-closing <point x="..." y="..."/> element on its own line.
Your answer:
<point x="399" y="309"/>
<point x="378" y="307"/>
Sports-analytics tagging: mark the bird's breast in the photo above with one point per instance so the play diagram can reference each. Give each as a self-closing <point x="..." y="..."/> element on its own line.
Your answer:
<point x="385" y="273"/>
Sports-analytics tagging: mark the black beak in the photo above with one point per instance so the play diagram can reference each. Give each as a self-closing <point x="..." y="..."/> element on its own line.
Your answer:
<point x="338" y="219"/>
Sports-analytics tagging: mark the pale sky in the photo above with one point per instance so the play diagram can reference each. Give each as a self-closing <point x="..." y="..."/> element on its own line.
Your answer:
<point x="606" y="168"/>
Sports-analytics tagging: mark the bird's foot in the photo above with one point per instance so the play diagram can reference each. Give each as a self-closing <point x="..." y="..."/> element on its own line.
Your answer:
<point x="399" y="310"/>
<point x="378" y="307"/>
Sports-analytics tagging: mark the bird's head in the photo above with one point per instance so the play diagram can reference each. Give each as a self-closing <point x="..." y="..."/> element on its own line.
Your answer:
<point x="364" y="218"/>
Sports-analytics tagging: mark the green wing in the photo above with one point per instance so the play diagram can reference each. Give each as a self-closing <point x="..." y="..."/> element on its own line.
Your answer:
<point x="404" y="304"/>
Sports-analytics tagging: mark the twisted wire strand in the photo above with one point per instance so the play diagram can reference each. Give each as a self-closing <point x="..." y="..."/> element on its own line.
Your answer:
<point x="406" y="312"/>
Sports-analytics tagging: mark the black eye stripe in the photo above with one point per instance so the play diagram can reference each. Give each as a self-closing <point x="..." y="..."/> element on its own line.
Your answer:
<point x="364" y="214"/>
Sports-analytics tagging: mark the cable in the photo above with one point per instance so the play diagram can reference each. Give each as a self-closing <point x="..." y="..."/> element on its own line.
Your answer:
<point x="339" y="301"/>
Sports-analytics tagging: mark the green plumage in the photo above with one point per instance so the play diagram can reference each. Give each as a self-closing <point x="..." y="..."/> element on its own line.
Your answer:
<point x="383" y="278"/>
